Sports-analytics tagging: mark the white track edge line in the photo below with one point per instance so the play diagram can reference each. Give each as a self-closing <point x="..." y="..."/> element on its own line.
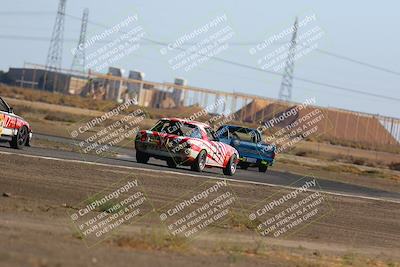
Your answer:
<point x="196" y="175"/>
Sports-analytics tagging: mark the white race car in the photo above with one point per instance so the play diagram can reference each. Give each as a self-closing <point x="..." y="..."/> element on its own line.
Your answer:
<point x="183" y="142"/>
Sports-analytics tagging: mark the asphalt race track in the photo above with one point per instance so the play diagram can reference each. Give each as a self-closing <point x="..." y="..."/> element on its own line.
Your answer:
<point x="126" y="158"/>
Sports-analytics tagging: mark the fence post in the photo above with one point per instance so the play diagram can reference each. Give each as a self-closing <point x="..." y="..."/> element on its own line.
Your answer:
<point x="356" y="131"/>
<point x="391" y="132"/>
<point x="22" y="78"/>
<point x="376" y="130"/>
<point x="336" y="123"/>
<point x="366" y="130"/>
<point x="33" y="78"/>
<point x="55" y="82"/>
<point x="347" y="123"/>
<point x="234" y="99"/>
<point x="184" y="97"/>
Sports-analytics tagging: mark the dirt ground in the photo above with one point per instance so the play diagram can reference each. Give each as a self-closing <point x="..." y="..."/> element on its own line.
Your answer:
<point x="35" y="228"/>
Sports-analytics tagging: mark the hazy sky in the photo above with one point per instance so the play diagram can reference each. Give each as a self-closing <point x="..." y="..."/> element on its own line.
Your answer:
<point x="361" y="30"/>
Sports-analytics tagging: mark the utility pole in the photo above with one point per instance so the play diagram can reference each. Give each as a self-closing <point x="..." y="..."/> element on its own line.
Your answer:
<point x="79" y="60"/>
<point x="285" y="92"/>
<point x="54" y="56"/>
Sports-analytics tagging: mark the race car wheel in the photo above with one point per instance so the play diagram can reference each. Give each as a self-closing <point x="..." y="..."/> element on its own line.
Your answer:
<point x="230" y="168"/>
<point x="200" y="163"/>
<point x="171" y="163"/>
<point x="262" y="168"/>
<point x="142" y="157"/>
<point x="20" y="139"/>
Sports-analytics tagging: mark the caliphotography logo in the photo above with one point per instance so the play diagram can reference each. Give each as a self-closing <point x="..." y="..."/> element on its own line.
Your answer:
<point x="210" y="40"/>
<point x="100" y="215"/>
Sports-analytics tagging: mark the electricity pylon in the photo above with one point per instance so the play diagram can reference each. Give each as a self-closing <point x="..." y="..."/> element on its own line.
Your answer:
<point x="285" y="92"/>
<point x="54" y="56"/>
<point x="79" y="60"/>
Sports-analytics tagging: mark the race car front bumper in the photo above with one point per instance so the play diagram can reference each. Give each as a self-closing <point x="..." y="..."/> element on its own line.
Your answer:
<point x="257" y="162"/>
<point x="161" y="152"/>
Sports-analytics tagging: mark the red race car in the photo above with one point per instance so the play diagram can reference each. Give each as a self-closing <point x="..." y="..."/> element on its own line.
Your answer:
<point x="13" y="128"/>
<point x="188" y="143"/>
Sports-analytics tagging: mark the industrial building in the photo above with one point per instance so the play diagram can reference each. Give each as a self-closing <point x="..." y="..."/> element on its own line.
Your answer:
<point x="51" y="81"/>
<point x="112" y="86"/>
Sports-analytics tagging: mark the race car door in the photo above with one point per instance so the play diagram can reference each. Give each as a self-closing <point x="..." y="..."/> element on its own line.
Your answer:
<point x="217" y="154"/>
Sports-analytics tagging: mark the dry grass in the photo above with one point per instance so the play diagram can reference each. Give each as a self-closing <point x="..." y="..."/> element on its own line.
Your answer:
<point x="259" y="249"/>
<point x="151" y="239"/>
<point x="352" y="157"/>
<point x="338" y="167"/>
<point x="54" y="98"/>
<point x="87" y="102"/>
<point x="365" y="146"/>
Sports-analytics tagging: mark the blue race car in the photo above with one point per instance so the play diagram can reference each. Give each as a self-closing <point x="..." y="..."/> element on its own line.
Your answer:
<point x="248" y="142"/>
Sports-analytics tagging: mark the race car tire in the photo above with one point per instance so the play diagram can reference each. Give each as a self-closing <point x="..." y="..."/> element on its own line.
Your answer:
<point x="171" y="163"/>
<point x="20" y="139"/>
<point x="230" y="168"/>
<point x="142" y="157"/>
<point x="262" y="168"/>
<point x="200" y="163"/>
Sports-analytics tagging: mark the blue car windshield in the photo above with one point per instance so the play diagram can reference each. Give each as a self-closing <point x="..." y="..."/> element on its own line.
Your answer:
<point x="242" y="134"/>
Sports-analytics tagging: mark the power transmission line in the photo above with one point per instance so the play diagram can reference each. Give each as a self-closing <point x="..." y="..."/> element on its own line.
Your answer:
<point x="357" y="61"/>
<point x="336" y="55"/>
<point x="40" y="38"/>
<point x="255" y="43"/>
<point x="306" y="80"/>
<point x="345" y="58"/>
<point x="25" y="13"/>
<point x="248" y="66"/>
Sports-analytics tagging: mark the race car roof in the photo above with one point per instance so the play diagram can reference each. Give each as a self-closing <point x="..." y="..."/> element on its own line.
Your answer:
<point x="196" y="123"/>
<point x="235" y="128"/>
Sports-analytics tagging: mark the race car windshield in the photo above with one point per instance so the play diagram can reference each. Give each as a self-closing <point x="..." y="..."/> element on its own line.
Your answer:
<point x="177" y="128"/>
<point x="243" y="134"/>
<point x="3" y="105"/>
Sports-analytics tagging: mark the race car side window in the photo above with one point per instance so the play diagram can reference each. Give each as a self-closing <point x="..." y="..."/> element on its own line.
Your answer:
<point x="194" y="132"/>
<point x="3" y="106"/>
<point x="255" y="136"/>
<point x="259" y="139"/>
